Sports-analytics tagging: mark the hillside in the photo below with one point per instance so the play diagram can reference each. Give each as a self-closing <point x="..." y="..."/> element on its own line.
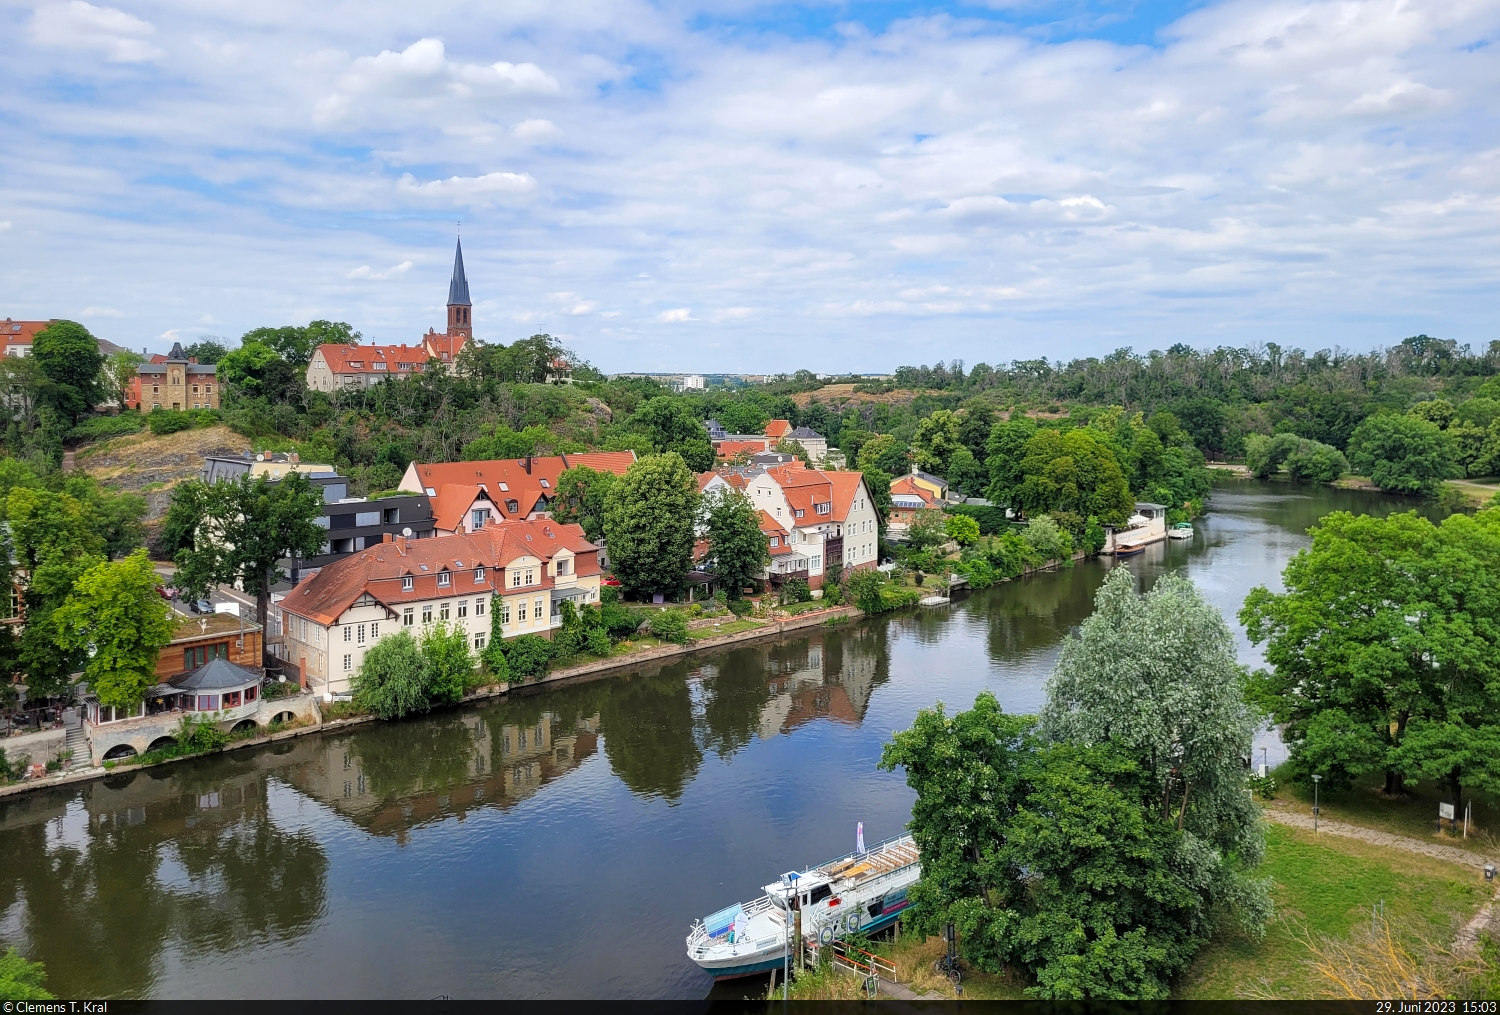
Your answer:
<point x="151" y="466"/>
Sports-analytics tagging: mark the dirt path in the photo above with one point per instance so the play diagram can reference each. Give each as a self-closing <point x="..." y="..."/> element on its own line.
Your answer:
<point x="1438" y="851"/>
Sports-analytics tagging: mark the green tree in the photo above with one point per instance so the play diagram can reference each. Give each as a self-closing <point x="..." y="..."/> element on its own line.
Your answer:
<point x="672" y="427"/>
<point x="1005" y="451"/>
<point x="504" y="442"/>
<point x="737" y="548"/>
<point x="71" y="363"/>
<point x="878" y="485"/>
<point x="21" y="980"/>
<point x="1388" y="626"/>
<point x="864" y="590"/>
<point x="580" y="498"/>
<point x="974" y="429"/>
<point x="1315" y="462"/>
<point x="115" y="614"/>
<point x="208" y="350"/>
<point x="447" y="665"/>
<point x="493" y="655"/>
<point x="245" y="529"/>
<point x="527" y="657"/>
<point x="1074" y="472"/>
<point x="927" y="529"/>
<point x="935" y="441"/>
<point x="1156" y="676"/>
<point x="1047" y="539"/>
<point x="393" y="678"/>
<point x="965" y="473"/>
<point x="54" y="543"/>
<point x="884" y="453"/>
<point x="296" y="345"/>
<point x="256" y="370"/>
<point x="1402" y="453"/>
<point x="648" y="524"/>
<point x="962" y="529"/>
<point x="119" y="370"/>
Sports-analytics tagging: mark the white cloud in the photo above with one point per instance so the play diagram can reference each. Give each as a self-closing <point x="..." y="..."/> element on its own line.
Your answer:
<point x="1316" y="172"/>
<point x="535" y="131"/>
<point x="421" y="75"/>
<point x="364" y="271"/>
<point x="121" y="37"/>
<point x="100" y="312"/>
<point x="170" y="335"/>
<point x="468" y="189"/>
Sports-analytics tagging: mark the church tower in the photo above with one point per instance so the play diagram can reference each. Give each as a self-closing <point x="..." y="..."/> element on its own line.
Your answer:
<point x="459" y="306"/>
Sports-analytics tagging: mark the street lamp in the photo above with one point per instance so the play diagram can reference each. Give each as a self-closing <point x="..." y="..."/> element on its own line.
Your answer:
<point x="1316" y="779"/>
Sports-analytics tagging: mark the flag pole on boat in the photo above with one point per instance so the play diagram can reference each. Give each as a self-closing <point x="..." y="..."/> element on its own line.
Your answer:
<point x="859" y="838"/>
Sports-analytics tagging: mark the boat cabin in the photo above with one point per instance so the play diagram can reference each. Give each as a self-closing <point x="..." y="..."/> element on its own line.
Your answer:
<point x="800" y="891"/>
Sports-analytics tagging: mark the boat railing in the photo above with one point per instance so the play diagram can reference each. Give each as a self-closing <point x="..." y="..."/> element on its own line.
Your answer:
<point x="879" y="847"/>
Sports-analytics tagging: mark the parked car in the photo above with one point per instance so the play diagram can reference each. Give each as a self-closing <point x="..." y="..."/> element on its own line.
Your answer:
<point x="167" y="592"/>
<point x="611" y="581"/>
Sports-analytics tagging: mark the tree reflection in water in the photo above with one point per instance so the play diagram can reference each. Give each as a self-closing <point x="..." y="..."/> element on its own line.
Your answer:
<point x="102" y="883"/>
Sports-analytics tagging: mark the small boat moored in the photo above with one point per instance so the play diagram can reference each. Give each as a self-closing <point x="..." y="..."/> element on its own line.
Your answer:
<point x="863" y="891"/>
<point x="1182" y="530"/>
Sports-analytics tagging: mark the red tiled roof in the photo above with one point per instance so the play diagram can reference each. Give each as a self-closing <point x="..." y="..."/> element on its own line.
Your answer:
<point x="846" y="486"/>
<point x="778" y="428"/>
<point x="451" y="504"/>
<point x="508" y="479"/>
<point x="907" y="485"/>
<point x="361" y="359"/>
<point x="443" y="346"/>
<point x="728" y="449"/>
<point x="770" y="526"/>
<point x="378" y="570"/>
<point x="21" y="332"/>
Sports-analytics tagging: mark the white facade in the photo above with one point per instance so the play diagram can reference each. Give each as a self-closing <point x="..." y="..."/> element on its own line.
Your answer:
<point x="856" y="522"/>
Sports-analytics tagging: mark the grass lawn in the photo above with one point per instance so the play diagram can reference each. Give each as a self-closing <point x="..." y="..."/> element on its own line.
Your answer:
<point x="1327" y="884"/>
<point x="811" y="604"/>
<point x="727" y="627"/>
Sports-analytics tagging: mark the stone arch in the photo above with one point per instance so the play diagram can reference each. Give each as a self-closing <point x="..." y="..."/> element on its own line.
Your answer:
<point x="284" y="717"/>
<point x="161" y="744"/>
<point x="243" y="725"/>
<point x="119" y="751"/>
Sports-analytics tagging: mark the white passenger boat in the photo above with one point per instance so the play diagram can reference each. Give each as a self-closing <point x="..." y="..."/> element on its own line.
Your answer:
<point x="865" y="890"/>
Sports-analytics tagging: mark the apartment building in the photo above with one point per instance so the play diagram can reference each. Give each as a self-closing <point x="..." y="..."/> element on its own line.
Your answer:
<point x="828" y="517"/>
<point x="522" y="569"/>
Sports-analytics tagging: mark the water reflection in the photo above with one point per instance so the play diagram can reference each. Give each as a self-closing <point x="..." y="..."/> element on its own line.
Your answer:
<point x="478" y="852"/>
<point x="104" y="883"/>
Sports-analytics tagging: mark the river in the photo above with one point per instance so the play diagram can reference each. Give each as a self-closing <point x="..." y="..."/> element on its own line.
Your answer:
<point x="557" y="843"/>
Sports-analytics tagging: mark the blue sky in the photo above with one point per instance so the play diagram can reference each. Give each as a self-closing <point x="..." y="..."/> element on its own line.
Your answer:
<point x="760" y="186"/>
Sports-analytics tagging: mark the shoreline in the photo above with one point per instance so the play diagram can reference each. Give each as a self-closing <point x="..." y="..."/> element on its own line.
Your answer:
<point x="580" y="673"/>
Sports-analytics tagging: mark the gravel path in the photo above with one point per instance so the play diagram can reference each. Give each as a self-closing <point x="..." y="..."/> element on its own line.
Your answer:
<point x="1438" y="851"/>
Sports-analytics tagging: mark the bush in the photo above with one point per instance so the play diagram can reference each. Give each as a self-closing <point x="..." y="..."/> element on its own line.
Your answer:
<point x="102" y="427"/>
<point x="962" y="529"/>
<point x="596" y="641"/>
<point x="1093" y="536"/>
<point x="670" y="625"/>
<point x="833" y="595"/>
<point x="1047" y="540"/>
<point x="742" y="607"/>
<point x="795" y="591"/>
<point x="992" y="520"/>
<point x="528" y="657"/>
<point x="166" y="421"/>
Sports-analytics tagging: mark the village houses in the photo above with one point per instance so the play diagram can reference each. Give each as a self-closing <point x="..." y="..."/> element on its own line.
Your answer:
<point x="333" y="618"/>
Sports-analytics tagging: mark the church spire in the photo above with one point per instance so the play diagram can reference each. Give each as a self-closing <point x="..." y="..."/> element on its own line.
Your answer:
<point x="458" y="288"/>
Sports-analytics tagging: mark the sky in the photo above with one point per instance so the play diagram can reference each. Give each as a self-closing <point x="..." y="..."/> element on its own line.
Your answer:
<point x="690" y="185"/>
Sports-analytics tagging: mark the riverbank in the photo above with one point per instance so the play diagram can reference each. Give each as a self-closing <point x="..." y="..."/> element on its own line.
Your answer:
<point x="591" y="670"/>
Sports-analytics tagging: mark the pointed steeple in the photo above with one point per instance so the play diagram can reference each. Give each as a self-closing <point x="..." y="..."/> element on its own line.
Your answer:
<point x="458" y="289"/>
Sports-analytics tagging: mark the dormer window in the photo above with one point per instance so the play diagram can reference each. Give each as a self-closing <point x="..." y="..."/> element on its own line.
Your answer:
<point x="478" y="575"/>
<point x="511" y="507"/>
<point x="444" y="579"/>
<point x="408" y="583"/>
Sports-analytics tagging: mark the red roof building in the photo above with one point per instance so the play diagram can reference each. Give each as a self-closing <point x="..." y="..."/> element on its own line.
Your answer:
<point x="468" y="495"/>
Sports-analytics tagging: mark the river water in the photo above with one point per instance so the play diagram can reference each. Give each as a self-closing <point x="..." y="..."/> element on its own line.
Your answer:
<point x="558" y="843"/>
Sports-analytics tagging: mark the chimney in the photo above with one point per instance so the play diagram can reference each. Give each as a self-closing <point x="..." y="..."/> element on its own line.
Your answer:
<point x="400" y="542"/>
<point x="527" y="464"/>
<point x="387" y="537"/>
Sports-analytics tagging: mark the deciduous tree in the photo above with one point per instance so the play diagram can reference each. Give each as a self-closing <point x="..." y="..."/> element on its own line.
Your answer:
<point x="71" y="363"/>
<point x="392" y="680"/>
<point x="448" y="666"/>
<point x="1402" y="453"/>
<point x="581" y="495"/>
<point x="648" y="524"/>
<point x="115" y="615"/>
<point x="672" y="427"/>
<point x="737" y="547"/>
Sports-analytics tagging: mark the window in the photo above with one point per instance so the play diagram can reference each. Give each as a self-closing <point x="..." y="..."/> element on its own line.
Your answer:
<point x="391" y="516"/>
<point x="195" y="391"/>
<point x="361" y="634"/>
<point x="479" y="607"/>
<point x="478" y="575"/>
<point x="546" y="485"/>
<point x="232" y="699"/>
<point x="775" y="540"/>
<point x="406" y="617"/>
<point x="800" y="512"/>
<point x="349" y="632"/>
<point x="374" y="630"/>
<point x="515" y="579"/>
<point x="208" y="702"/>
<point x="426" y="613"/>
<point x="530" y="577"/>
<point x="563" y="566"/>
<point x="407" y="583"/>
<point x="348" y="662"/>
<point x="511" y="507"/>
<point x="443" y="611"/>
<point x="208" y="389"/>
<point x="478" y="642"/>
<point x="536" y="613"/>
<point x="444" y="579"/>
<point x="463" y="608"/>
<point x="477" y="518"/>
<point x="250" y="693"/>
<point x="504" y="613"/>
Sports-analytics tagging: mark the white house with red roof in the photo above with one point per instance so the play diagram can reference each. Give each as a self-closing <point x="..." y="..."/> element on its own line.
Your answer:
<point x="466" y="496"/>
<point x="522" y="569"/>
<point x="828" y="517"/>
